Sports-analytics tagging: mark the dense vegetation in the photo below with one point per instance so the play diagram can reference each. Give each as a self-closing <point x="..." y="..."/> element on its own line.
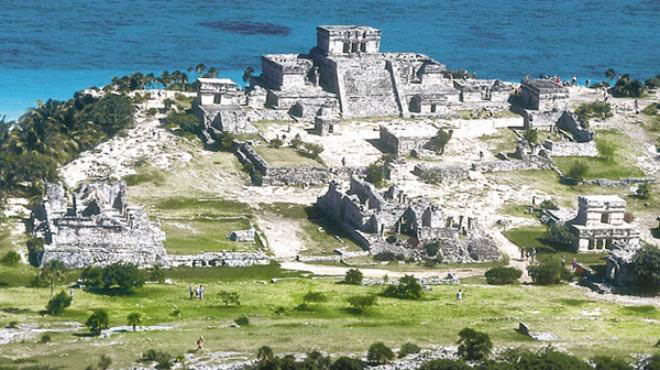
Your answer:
<point x="118" y="278"/>
<point x="503" y="275"/>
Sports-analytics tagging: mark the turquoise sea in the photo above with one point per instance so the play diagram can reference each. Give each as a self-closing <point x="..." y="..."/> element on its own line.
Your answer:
<point x="52" y="48"/>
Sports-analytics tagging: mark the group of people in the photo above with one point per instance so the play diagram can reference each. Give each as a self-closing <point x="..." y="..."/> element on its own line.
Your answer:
<point x="528" y="254"/>
<point x="197" y="292"/>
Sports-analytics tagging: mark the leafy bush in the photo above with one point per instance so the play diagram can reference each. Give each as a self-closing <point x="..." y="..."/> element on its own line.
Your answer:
<point x="610" y="363"/>
<point x="57" y="304"/>
<point x="186" y="122"/>
<point x="276" y="143"/>
<point x="549" y="204"/>
<point x="226" y="140"/>
<point x="46" y="338"/>
<point x="104" y="362"/>
<point x="230" y="298"/>
<point x="379" y="353"/>
<point x="445" y="364"/>
<point x="35" y="248"/>
<point x="578" y="171"/>
<point x="408" y="288"/>
<point x="12" y="325"/>
<point x="312" y="297"/>
<point x="531" y="135"/>
<point x="628" y="87"/>
<point x="361" y="302"/>
<point x="647" y="268"/>
<point x="643" y="191"/>
<point x="503" y="275"/>
<point x="408" y="349"/>
<point x="265" y="353"/>
<point x="242" y="321"/>
<point x="562" y="236"/>
<point x="376" y="174"/>
<point x="11" y="259"/>
<point x="134" y="319"/>
<point x="118" y="278"/>
<point x="353" y="277"/>
<point x="162" y="359"/>
<point x="347" y="363"/>
<point x="547" y="359"/>
<point x="98" y="321"/>
<point x="474" y="345"/>
<point x="607" y="150"/>
<point x="597" y="109"/>
<point x="388" y="256"/>
<point x="312" y="150"/>
<point x="431" y="249"/>
<point x="548" y="272"/>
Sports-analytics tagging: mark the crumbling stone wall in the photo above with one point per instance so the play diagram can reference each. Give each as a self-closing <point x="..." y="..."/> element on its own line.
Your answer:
<point x="441" y="174"/>
<point x="219" y="259"/>
<point x="571" y="148"/>
<point x="97" y="228"/>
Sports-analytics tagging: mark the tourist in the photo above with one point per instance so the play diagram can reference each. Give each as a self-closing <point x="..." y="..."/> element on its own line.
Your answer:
<point x="190" y="291"/>
<point x="343" y="161"/>
<point x="574" y="263"/>
<point x="197" y="292"/>
<point x="636" y="106"/>
<point x="587" y="82"/>
<point x="200" y="292"/>
<point x="459" y="296"/>
<point x="574" y="79"/>
<point x="522" y="254"/>
<point x="200" y="344"/>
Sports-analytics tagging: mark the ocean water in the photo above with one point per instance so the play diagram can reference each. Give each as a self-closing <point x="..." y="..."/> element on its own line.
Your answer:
<point x="52" y="48"/>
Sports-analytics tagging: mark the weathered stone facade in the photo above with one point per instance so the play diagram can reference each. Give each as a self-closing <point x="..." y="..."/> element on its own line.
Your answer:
<point x="370" y="217"/>
<point x="96" y="227"/>
<point x="600" y="224"/>
<point x="543" y="95"/>
<point x="402" y="141"/>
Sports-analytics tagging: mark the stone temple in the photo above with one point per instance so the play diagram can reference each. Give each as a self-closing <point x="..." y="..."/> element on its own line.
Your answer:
<point x="94" y="225"/>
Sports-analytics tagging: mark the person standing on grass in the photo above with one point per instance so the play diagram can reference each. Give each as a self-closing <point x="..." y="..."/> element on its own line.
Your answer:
<point x="200" y="344"/>
<point x="201" y="292"/>
<point x="190" y="291"/>
<point x="459" y="296"/>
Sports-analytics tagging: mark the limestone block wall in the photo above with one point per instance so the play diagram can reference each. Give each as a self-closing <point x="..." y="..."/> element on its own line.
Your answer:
<point x="219" y="259"/>
<point x="571" y="149"/>
<point x="445" y="174"/>
<point x="532" y="162"/>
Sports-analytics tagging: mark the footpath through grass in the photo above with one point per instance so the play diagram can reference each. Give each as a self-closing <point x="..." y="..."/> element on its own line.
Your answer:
<point x="275" y="321"/>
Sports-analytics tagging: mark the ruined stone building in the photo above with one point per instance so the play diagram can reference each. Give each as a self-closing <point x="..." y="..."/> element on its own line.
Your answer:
<point x="599" y="224"/>
<point x="93" y="225"/>
<point x="405" y="140"/>
<point x="543" y="95"/>
<point x="377" y="221"/>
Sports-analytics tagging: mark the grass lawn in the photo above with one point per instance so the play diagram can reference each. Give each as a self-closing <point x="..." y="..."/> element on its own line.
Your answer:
<point x="198" y="235"/>
<point x="529" y="237"/>
<point x="502" y="141"/>
<point x="284" y="157"/>
<point x="621" y="166"/>
<point x="435" y="320"/>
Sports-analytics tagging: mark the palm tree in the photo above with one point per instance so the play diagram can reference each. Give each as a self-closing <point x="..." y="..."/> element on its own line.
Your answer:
<point x="610" y="73"/>
<point x="165" y="78"/>
<point x="200" y="68"/>
<point x="247" y="74"/>
<point x="213" y="72"/>
<point x="134" y="319"/>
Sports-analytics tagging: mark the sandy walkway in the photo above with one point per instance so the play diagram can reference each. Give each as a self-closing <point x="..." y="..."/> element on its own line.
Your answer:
<point x="372" y="273"/>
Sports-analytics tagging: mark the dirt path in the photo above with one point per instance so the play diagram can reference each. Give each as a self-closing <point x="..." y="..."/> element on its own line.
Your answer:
<point x="372" y="273"/>
<point x="282" y="238"/>
<point x="513" y="252"/>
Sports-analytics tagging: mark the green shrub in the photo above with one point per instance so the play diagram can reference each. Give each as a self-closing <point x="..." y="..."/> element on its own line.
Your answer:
<point x="312" y="150"/>
<point x="265" y="353"/>
<point x="104" y="362"/>
<point x="647" y="268"/>
<point x="610" y="363"/>
<point x="379" y="353"/>
<point x="134" y="319"/>
<point x="11" y="259"/>
<point x="408" y="349"/>
<point x="35" y="248"/>
<point x="643" y="191"/>
<point x="57" y="304"/>
<point x="12" y="325"/>
<point x="578" y="171"/>
<point x="226" y="140"/>
<point x="446" y="364"/>
<point x="562" y="236"/>
<point x="606" y="149"/>
<point x="162" y="359"/>
<point x="276" y="143"/>
<point x="353" y="277"/>
<point x="242" y="321"/>
<point x="431" y="249"/>
<point x="474" y="345"/>
<point x="376" y="174"/>
<point x="549" y="204"/>
<point x="118" y="278"/>
<point x="361" y="302"/>
<point x="408" y="288"/>
<point x="531" y="135"/>
<point x="548" y="272"/>
<point x="314" y="297"/>
<point x="45" y="338"/>
<point x="230" y="298"/>
<point x="503" y="275"/>
<point x="545" y="359"/>
<point x="388" y="256"/>
<point x="98" y="321"/>
<point x="347" y="363"/>
<point x="186" y="122"/>
<point x="628" y="87"/>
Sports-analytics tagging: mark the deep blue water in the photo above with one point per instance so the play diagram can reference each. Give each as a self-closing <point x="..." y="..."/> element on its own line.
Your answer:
<point x="52" y="48"/>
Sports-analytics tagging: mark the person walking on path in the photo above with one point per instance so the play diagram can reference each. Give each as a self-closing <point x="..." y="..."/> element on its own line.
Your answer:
<point x="636" y="106"/>
<point x="200" y="344"/>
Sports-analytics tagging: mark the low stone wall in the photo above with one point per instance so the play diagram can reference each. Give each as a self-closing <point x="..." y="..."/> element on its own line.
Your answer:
<point x="246" y="154"/>
<point x="441" y="174"/>
<point x="292" y="176"/>
<point x="219" y="259"/>
<point x="532" y="162"/>
<point x="620" y="182"/>
<point x="571" y="149"/>
<point x="318" y="258"/>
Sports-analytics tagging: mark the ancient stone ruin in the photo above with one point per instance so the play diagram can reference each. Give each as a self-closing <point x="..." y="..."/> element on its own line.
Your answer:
<point x="600" y="224"/>
<point x="94" y="225"/>
<point x="543" y="95"/>
<point x="379" y="222"/>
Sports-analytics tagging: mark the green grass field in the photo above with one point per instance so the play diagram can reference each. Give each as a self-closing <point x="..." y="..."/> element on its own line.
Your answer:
<point x="284" y="157"/>
<point x="198" y="235"/>
<point x="435" y="320"/>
